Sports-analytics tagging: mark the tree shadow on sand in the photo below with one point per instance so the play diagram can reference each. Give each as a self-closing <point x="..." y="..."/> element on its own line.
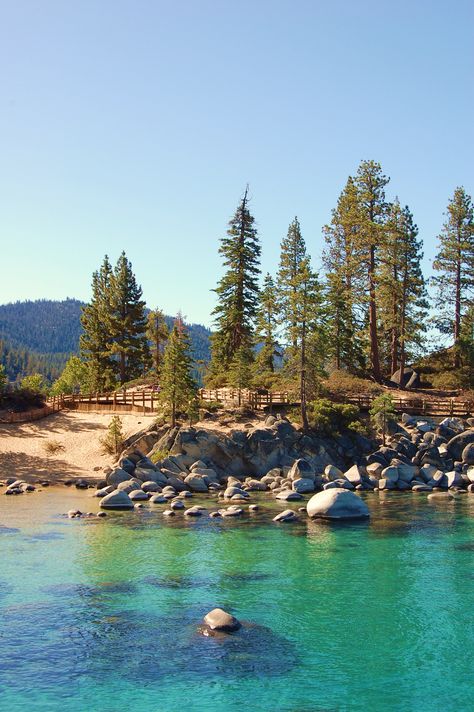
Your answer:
<point x="44" y="428"/>
<point x="32" y="467"/>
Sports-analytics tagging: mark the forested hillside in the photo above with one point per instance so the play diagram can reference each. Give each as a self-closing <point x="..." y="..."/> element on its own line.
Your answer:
<point x="39" y="336"/>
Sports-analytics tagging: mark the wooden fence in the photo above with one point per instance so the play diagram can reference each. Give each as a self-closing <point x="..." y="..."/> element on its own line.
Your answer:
<point x="419" y="406"/>
<point x="145" y="402"/>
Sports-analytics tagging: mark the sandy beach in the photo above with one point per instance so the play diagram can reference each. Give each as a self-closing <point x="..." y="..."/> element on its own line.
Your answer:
<point x="23" y="446"/>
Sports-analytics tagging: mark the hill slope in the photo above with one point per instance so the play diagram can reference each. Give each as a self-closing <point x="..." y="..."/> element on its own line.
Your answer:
<point x="39" y="336"/>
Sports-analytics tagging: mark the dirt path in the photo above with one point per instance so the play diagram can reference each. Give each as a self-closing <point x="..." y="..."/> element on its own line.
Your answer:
<point x="23" y="453"/>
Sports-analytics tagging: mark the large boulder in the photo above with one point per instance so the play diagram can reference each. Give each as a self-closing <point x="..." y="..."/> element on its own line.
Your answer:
<point x="468" y="454"/>
<point x="409" y="379"/>
<point x="196" y="483"/>
<point x="116" y="500"/>
<point x="301" y="469"/>
<point x="354" y="474"/>
<point x="303" y="485"/>
<point x="457" y="444"/>
<point x="337" y="503"/>
<point x="117" y="476"/>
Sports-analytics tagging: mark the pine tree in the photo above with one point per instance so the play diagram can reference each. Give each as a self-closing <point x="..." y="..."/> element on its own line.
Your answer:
<point x="128" y="345"/>
<point x="370" y="183"/>
<point x="240" y="370"/>
<point x="402" y="292"/>
<point x="95" y="339"/>
<point x="177" y="387"/>
<point x="237" y="291"/>
<point x="455" y="263"/>
<point x="157" y="332"/>
<point x="3" y="379"/>
<point x="266" y="337"/>
<point x="300" y="302"/>
<point x="342" y="259"/>
<point x="466" y="348"/>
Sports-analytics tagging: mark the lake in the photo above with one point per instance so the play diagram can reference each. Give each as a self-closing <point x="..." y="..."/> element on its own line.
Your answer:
<point x="103" y="614"/>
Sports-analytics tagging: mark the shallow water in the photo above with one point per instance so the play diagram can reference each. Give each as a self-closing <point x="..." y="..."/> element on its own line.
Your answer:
<point x="104" y="614"/>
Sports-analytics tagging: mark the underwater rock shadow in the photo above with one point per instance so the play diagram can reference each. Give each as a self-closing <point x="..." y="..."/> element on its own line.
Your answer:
<point x="59" y="643"/>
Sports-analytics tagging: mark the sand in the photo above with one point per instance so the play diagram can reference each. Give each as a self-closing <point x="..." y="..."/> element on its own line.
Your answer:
<point x="23" y="453"/>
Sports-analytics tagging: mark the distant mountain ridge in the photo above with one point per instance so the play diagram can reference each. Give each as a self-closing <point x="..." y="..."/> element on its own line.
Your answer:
<point x="39" y="336"/>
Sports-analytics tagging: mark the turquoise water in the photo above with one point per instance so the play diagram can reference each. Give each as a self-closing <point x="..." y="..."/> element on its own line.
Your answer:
<point x="103" y="614"/>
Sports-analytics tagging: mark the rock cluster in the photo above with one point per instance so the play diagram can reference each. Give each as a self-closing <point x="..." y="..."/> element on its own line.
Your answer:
<point x="277" y="457"/>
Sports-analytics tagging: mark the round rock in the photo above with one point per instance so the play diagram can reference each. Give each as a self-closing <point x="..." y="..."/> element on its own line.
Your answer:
<point x="218" y="619"/>
<point x="337" y="503"/>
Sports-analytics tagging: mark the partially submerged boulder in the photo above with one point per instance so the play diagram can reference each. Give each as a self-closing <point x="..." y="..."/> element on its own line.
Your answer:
<point x="337" y="503"/>
<point x="116" y="500"/>
<point x="218" y="619"/>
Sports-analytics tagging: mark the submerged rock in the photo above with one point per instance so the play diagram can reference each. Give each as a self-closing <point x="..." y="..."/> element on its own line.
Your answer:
<point x="337" y="503"/>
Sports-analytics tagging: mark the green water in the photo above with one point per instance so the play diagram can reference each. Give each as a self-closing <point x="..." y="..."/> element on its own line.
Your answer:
<point x="103" y="614"/>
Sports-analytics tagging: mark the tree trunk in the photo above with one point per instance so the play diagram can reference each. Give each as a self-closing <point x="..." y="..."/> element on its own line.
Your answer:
<point x="374" y="346"/>
<point x="304" y="413"/>
<point x="457" y="315"/>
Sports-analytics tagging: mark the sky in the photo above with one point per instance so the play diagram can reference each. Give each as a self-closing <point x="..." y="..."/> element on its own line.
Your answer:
<point x="136" y="124"/>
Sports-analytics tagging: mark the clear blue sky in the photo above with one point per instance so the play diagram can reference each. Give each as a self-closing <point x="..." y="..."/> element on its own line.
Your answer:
<point x="135" y="124"/>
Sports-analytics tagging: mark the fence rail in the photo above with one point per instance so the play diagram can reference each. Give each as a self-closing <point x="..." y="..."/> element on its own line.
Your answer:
<point x="145" y="402"/>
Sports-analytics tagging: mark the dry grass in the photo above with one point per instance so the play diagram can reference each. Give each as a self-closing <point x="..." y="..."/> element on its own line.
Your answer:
<point x="53" y="447"/>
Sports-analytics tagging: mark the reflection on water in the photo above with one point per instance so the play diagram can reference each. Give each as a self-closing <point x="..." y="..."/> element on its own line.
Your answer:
<point x="105" y="614"/>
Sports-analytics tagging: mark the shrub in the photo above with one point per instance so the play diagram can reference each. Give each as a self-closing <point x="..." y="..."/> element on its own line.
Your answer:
<point x="447" y="380"/>
<point x="34" y="384"/>
<point x="159" y="455"/>
<point x="342" y="383"/>
<point x="53" y="447"/>
<point x="383" y="414"/>
<point x="112" y="443"/>
<point x="330" y="418"/>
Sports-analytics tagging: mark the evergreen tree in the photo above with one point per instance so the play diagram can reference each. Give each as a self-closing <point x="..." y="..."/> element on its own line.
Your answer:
<point x="266" y="328"/>
<point x="157" y="332"/>
<point x="177" y="387"/>
<point x="240" y="370"/>
<point x="382" y="413"/>
<point x="128" y="345"/>
<point x="402" y="293"/>
<point x="370" y="183"/>
<point x="237" y="292"/>
<point x="75" y="378"/>
<point x="466" y="348"/>
<point x="342" y="259"/>
<point x="455" y="263"/>
<point x="95" y="339"/>
<point x="3" y="379"/>
<point x="300" y="302"/>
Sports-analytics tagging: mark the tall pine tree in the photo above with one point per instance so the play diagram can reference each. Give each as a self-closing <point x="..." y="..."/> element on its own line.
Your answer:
<point x="402" y="293"/>
<point x="157" y="332"/>
<point x="300" y="301"/>
<point x="178" y="389"/>
<point x="95" y="339"/>
<point x="266" y="334"/>
<point x="342" y="259"/>
<point x="237" y="292"/>
<point x="370" y="183"/>
<point x="455" y="264"/>
<point x="128" y="343"/>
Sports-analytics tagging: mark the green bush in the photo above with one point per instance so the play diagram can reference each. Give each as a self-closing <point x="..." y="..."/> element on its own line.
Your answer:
<point x="159" y="455"/>
<point x="331" y="418"/>
<point x="112" y="443"/>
